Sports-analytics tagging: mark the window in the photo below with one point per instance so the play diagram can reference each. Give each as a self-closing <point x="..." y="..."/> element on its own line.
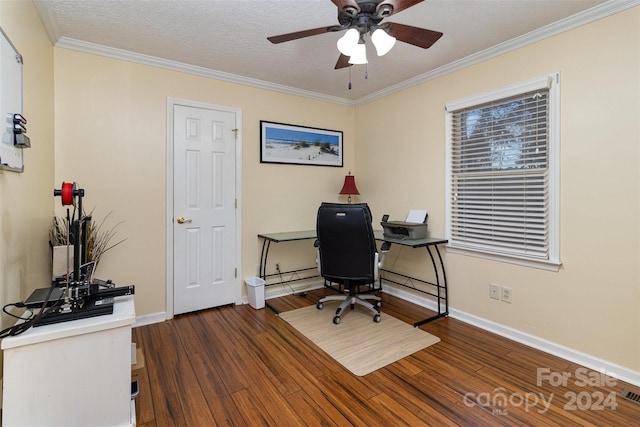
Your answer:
<point x="502" y="174"/>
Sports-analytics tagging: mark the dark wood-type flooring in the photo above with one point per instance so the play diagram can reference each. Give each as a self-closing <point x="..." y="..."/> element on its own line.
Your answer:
<point x="238" y="366"/>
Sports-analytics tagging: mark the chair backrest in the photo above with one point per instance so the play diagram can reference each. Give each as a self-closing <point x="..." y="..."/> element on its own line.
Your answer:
<point x="347" y="246"/>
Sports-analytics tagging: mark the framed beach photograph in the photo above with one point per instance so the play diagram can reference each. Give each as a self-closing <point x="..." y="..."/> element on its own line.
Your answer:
<point x="298" y="145"/>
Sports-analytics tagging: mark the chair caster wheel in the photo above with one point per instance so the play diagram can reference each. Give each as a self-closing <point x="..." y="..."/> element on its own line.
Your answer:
<point x="378" y="304"/>
<point x="336" y="320"/>
<point x="377" y="318"/>
<point x="319" y="306"/>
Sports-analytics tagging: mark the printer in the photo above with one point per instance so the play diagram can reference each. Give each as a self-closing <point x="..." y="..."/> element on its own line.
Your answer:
<point x="413" y="228"/>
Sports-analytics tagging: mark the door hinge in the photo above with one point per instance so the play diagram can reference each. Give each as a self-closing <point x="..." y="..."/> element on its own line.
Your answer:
<point x="235" y="203"/>
<point x="235" y="273"/>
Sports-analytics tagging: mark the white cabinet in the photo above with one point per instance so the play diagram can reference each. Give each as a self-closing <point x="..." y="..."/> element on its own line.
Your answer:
<point x="75" y="373"/>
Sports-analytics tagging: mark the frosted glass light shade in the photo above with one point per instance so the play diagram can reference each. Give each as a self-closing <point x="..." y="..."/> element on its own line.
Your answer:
<point x="382" y="41"/>
<point x="359" y="55"/>
<point x="348" y="42"/>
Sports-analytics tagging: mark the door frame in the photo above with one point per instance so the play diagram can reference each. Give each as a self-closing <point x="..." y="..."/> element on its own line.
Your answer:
<point x="171" y="103"/>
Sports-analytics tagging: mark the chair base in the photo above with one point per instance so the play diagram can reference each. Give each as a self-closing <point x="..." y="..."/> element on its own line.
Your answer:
<point x="352" y="300"/>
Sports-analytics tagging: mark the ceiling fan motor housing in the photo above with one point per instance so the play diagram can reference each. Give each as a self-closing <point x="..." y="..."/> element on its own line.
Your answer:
<point x="365" y="16"/>
<point x="370" y="15"/>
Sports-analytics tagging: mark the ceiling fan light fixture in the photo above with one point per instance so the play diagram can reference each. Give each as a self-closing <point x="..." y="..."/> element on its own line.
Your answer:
<point x="382" y="41"/>
<point x="348" y="43"/>
<point x="359" y="55"/>
<point x="384" y="10"/>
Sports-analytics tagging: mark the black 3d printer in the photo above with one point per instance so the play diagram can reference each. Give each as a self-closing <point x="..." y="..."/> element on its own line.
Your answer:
<point x="78" y="294"/>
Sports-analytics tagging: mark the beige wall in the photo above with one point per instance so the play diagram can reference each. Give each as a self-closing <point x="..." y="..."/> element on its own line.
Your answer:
<point x="110" y="133"/>
<point x="593" y="303"/>
<point x="111" y="139"/>
<point x="26" y="199"/>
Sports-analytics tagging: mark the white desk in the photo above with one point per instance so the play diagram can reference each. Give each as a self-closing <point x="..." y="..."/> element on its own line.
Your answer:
<point x="75" y="373"/>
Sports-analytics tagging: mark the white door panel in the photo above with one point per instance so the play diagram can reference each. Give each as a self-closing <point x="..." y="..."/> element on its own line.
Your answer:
<point x="204" y="194"/>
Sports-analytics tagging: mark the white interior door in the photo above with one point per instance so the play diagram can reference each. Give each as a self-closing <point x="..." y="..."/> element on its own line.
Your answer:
<point x="204" y="204"/>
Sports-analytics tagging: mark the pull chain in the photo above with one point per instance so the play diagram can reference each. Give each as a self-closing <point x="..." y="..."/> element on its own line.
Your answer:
<point x="366" y="74"/>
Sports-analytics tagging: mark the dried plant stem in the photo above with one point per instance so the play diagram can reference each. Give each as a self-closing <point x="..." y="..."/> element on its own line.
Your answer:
<point x="98" y="236"/>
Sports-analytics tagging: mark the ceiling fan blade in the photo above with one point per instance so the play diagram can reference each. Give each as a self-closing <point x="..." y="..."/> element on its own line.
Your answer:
<point x="341" y="4"/>
<point x="301" y="34"/>
<point x="413" y="35"/>
<point x="400" y="5"/>
<point x="343" y="62"/>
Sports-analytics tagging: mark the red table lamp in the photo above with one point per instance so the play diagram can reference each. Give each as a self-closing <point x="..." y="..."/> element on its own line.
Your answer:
<point x="349" y="186"/>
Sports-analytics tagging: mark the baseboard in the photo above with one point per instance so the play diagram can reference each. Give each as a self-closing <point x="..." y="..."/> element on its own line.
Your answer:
<point x="591" y="362"/>
<point x="616" y="371"/>
<point x="275" y="291"/>
<point x="149" y="319"/>
<point x="425" y="302"/>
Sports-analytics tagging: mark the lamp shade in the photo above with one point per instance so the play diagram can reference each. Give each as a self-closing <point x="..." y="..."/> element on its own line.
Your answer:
<point x="359" y="55"/>
<point x="348" y="42"/>
<point x="382" y="41"/>
<point x="349" y="186"/>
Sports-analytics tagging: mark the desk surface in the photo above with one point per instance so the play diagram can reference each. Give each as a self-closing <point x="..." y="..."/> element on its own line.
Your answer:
<point x="311" y="234"/>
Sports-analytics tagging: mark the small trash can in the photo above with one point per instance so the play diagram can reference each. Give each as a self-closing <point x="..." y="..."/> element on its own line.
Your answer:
<point x="255" y="291"/>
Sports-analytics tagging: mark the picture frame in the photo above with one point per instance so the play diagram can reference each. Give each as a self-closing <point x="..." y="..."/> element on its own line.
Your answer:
<point x="300" y="145"/>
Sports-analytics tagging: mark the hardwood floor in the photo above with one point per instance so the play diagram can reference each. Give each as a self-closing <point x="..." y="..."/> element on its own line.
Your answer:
<point x="238" y="366"/>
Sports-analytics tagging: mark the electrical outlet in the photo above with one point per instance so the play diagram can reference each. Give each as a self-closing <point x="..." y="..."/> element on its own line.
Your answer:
<point x="494" y="291"/>
<point x="506" y="294"/>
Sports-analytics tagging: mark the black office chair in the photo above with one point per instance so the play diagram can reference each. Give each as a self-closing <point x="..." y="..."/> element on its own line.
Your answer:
<point x="347" y="254"/>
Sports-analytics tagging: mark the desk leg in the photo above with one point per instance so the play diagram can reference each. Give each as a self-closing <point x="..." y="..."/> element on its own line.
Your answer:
<point x="266" y="244"/>
<point x="442" y="293"/>
<point x="444" y="278"/>
<point x="262" y="270"/>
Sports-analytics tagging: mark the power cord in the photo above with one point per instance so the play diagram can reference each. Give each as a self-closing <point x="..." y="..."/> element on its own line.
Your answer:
<point x="16" y="305"/>
<point x="19" y="328"/>
<point x="282" y="282"/>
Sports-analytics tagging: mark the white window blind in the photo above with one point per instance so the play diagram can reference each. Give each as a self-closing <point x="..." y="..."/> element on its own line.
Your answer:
<point x="500" y="178"/>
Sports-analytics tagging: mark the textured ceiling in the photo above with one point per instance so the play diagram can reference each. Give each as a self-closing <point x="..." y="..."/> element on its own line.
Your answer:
<point x="230" y="36"/>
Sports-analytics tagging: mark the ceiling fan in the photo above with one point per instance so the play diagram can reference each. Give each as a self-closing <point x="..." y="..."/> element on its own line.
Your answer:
<point x="362" y="17"/>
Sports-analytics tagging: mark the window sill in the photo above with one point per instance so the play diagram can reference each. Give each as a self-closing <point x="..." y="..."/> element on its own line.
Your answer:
<point x="532" y="263"/>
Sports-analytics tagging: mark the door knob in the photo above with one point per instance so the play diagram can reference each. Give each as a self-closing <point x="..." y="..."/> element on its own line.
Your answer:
<point x="182" y="220"/>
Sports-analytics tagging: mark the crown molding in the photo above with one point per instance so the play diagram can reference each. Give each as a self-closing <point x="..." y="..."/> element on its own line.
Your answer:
<point x="590" y="15"/>
<point x="138" y="58"/>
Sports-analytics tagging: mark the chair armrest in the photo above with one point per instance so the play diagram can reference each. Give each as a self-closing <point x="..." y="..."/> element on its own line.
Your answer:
<point x="384" y="249"/>
<point x="316" y="245"/>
